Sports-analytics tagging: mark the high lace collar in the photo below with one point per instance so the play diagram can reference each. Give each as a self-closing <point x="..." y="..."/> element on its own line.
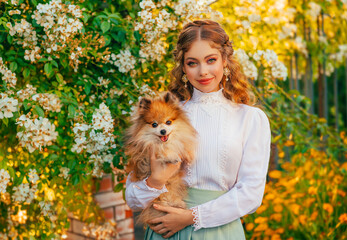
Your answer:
<point x="209" y="98"/>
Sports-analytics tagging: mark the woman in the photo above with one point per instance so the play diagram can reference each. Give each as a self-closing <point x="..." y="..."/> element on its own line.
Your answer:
<point x="228" y="178"/>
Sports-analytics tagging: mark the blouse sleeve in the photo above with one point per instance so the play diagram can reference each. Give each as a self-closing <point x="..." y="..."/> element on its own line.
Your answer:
<point x="247" y="194"/>
<point x="138" y="194"/>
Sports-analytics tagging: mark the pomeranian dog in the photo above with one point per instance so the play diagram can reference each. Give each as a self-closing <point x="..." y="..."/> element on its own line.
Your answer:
<point x="160" y="129"/>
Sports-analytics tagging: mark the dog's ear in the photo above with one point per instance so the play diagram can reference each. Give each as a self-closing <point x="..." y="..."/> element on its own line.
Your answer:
<point x="145" y="103"/>
<point x="170" y="98"/>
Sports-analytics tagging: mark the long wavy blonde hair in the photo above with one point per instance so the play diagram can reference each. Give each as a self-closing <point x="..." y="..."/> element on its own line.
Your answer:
<point x="236" y="89"/>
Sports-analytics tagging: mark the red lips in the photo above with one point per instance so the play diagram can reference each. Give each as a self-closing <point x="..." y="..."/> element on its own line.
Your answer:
<point x="205" y="81"/>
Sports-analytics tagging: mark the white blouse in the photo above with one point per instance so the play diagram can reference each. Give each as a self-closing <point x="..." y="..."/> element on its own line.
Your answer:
<point x="233" y="156"/>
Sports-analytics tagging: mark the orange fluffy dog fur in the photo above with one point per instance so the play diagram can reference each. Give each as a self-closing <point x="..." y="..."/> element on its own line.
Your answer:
<point x="160" y="129"/>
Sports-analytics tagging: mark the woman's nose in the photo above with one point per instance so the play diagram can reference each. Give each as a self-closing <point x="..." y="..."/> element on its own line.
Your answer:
<point x="203" y="70"/>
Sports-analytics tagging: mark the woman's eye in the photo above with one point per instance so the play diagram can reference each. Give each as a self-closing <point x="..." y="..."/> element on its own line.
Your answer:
<point x="211" y="60"/>
<point x="168" y="122"/>
<point x="154" y="125"/>
<point x="191" y="64"/>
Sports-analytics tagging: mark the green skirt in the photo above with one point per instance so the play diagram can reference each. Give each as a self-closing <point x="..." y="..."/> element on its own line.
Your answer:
<point x="230" y="231"/>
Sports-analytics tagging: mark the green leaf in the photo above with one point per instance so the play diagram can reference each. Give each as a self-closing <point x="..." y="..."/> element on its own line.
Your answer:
<point x="39" y="111"/>
<point x="13" y="66"/>
<point x="59" y="78"/>
<point x="54" y="147"/>
<point x="26" y="72"/>
<point x="87" y="88"/>
<point x="5" y="121"/>
<point x="55" y="64"/>
<point x="72" y="111"/>
<point x="9" y="39"/>
<point x="119" y="187"/>
<point x="105" y="26"/>
<point x="34" y="2"/>
<point x="48" y="68"/>
<point x="25" y="104"/>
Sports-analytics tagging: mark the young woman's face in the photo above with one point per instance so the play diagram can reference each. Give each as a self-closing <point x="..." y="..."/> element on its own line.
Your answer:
<point x="203" y="66"/>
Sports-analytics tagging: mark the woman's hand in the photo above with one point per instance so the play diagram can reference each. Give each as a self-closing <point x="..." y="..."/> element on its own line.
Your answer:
<point x="175" y="220"/>
<point x="161" y="172"/>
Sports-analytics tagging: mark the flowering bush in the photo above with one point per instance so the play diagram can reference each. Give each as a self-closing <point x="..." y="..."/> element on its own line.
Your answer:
<point x="304" y="201"/>
<point x="71" y="73"/>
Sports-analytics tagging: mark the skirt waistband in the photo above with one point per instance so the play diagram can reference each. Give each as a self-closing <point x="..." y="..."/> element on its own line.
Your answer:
<point x="199" y="196"/>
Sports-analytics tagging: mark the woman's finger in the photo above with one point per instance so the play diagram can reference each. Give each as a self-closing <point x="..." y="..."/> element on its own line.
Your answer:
<point x="155" y="221"/>
<point x="162" y="208"/>
<point x="168" y="234"/>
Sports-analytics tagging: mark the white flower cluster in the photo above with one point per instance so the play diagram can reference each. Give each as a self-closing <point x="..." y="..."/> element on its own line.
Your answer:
<point x="124" y="60"/>
<point x="192" y="9"/>
<point x="300" y="45"/>
<point x="24" y="193"/>
<point x="37" y="133"/>
<point x="8" y="106"/>
<point x="103" y="82"/>
<point x="64" y="172"/>
<point x="4" y="180"/>
<point x="106" y="231"/>
<point x="7" y="76"/>
<point x="26" y="36"/>
<point x="59" y="21"/>
<point x="278" y="69"/>
<point x="48" y="101"/>
<point x="341" y="55"/>
<point x="156" y="21"/>
<point x="314" y="10"/>
<point x="46" y="210"/>
<point x="33" y="177"/>
<point x="26" y="93"/>
<point x="12" y="12"/>
<point x="248" y="67"/>
<point x="97" y="139"/>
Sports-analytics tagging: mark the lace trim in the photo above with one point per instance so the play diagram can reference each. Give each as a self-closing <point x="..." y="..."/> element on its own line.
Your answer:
<point x="196" y="218"/>
<point x="189" y="174"/>
<point x="164" y="189"/>
<point x="209" y="98"/>
<point x="223" y="152"/>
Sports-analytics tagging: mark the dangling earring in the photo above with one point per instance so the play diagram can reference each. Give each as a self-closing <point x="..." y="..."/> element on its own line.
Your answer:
<point x="226" y="73"/>
<point x="185" y="80"/>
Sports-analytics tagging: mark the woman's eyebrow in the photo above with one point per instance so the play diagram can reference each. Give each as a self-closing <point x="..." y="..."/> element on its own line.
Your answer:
<point x="210" y="55"/>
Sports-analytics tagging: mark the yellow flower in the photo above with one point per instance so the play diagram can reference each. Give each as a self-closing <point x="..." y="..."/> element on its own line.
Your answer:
<point x="277" y="217"/>
<point x="289" y="143"/>
<point x="314" y="215"/>
<point x="261" y="227"/>
<point x="281" y="154"/>
<point x="276" y="237"/>
<point x="341" y="193"/>
<point x="312" y="190"/>
<point x="269" y="196"/>
<point x="278" y="208"/>
<point x="343" y="218"/>
<point x="295" y="208"/>
<point x="261" y="209"/>
<point x="275" y="174"/>
<point x="344" y="166"/>
<point x="280" y="230"/>
<point x="249" y="226"/>
<point x="327" y="207"/>
<point x="302" y="219"/>
<point x="260" y="220"/>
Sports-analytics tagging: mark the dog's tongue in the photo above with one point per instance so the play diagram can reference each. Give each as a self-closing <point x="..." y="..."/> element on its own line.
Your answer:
<point x="164" y="138"/>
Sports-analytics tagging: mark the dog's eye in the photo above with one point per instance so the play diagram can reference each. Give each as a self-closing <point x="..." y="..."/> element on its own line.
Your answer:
<point x="168" y="122"/>
<point x="154" y="125"/>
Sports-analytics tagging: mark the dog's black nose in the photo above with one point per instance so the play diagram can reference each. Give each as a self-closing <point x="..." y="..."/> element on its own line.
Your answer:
<point x="163" y="132"/>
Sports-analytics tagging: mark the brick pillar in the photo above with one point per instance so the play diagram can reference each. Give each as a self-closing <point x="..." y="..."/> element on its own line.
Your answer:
<point x="114" y="208"/>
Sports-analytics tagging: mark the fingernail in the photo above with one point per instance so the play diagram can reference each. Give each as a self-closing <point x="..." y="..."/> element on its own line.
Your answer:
<point x="155" y="205"/>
